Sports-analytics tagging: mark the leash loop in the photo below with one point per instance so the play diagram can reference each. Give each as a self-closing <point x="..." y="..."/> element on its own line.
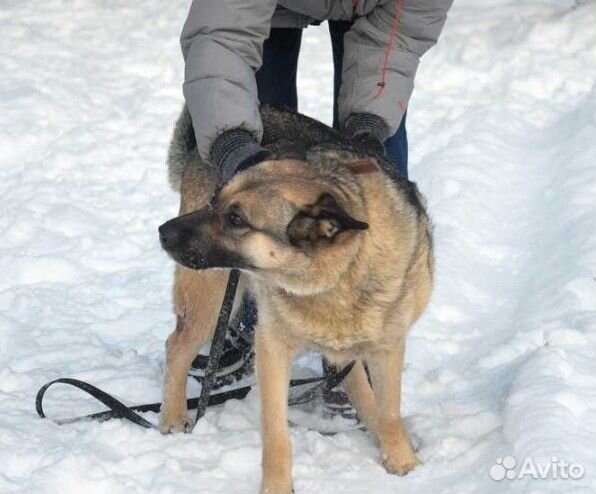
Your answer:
<point x="117" y="408"/>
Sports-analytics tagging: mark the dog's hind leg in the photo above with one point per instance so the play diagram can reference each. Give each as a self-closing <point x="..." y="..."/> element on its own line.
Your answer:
<point x="385" y="371"/>
<point x="197" y="299"/>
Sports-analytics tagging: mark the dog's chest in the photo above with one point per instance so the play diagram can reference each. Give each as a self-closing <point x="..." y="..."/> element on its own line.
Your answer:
<point x="329" y="326"/>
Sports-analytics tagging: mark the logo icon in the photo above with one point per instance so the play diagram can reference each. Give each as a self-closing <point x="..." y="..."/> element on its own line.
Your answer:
<point x="503" y="468"/>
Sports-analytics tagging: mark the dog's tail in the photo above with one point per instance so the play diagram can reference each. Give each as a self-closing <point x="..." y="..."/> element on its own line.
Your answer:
<point x="183" y="153"/>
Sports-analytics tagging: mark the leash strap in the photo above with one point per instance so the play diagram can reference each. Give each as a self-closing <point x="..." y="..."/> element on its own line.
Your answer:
<point x="217" y="344"/>
<point x="117" y="409"/>
<point x="328" y="382"/>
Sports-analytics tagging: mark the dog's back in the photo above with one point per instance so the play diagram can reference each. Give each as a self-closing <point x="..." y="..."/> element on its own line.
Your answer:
<point x="287" y="134"/>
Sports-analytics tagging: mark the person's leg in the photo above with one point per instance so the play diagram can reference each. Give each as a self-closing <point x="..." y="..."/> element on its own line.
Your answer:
<point x="337" y="29"/>
<point x="276" y="79"/>
<point x="396" y="146"/>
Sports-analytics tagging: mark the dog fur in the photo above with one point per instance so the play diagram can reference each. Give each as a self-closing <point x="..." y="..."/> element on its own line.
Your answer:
<point x="337" y="251"/>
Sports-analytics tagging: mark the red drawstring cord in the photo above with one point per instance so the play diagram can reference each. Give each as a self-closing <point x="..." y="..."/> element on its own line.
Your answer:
<point x="392" y="34"/>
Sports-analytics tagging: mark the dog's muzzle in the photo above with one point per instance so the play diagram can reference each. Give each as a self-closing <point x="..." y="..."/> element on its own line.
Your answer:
<point x="171" y="236"/>
<point x="175" y="240"/>
<point x="168" y="237"/>
<point x="187" y="240"/>
<point x="176" y="234"/>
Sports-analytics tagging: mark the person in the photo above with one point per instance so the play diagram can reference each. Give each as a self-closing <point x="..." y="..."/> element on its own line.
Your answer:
<point x="240" y="53"/>
<point x="222" y="43"/>
<point x="276" y="81"/>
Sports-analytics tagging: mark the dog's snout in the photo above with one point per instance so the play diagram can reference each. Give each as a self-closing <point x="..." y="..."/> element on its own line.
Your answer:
<point x="177" y="232"/>
<point x="169" y="235"/>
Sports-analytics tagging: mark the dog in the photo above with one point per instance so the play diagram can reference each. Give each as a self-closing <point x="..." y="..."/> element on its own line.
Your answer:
<point x="337" y="251"/>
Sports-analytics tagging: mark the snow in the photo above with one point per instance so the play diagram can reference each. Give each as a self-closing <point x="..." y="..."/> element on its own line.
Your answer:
<point x="502" y="133"/>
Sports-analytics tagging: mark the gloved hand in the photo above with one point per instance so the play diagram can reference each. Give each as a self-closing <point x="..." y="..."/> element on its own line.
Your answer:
<point x="367" y="131"/>
<point x="368" y="143"/>
<point x="236" y="150"/>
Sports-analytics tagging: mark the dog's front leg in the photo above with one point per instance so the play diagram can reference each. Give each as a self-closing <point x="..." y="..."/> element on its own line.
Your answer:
<point x="273" y="361"/>
<point x="385" y="372"/>
<point x="180" y="351"/>
<point x="197" y="298"/>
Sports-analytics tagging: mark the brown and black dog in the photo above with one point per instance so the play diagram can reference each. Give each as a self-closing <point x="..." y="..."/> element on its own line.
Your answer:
<point x="337" y="253"/>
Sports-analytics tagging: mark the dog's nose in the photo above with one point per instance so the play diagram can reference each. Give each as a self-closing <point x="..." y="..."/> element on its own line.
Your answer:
<point x="168" y="236"/>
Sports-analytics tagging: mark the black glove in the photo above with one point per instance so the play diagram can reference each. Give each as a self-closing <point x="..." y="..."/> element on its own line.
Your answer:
<point x="368" y="144"/>
<point x="367" y="132"/>
<point x="236" y="150"/>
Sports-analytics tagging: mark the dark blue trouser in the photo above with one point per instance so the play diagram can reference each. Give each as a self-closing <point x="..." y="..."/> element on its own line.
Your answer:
<point x="276" y="80"/>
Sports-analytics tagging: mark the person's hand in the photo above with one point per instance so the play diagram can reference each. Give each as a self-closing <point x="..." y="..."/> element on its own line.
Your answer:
<point x="368" y="143"/>
<point x="236" y="150"/>
<point x="366" y="132"/>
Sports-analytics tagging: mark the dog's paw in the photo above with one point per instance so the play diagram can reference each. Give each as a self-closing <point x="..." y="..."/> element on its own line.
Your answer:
<point x="276" y="486"/>
<point x="400" y="464"/>
<point x="171" y="424"/>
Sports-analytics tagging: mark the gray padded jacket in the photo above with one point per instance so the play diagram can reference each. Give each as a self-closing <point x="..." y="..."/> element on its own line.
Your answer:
<point x="222" y="43"/>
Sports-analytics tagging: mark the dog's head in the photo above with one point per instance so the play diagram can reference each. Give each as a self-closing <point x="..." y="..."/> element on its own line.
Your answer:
<point x="295" y="224"/>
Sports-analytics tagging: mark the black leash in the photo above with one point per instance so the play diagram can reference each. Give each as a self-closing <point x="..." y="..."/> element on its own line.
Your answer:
<point x="117" y="409"/>
<point x="217" y="344"/>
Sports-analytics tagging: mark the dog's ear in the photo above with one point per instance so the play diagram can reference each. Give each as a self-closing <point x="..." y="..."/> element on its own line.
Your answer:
<point x="323" y="220"/>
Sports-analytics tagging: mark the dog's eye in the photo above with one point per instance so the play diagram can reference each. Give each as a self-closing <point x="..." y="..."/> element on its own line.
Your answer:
<point x="235" y="220"/>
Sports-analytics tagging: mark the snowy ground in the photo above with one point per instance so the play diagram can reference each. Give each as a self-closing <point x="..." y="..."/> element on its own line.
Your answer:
<point x="503" y="144"/>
